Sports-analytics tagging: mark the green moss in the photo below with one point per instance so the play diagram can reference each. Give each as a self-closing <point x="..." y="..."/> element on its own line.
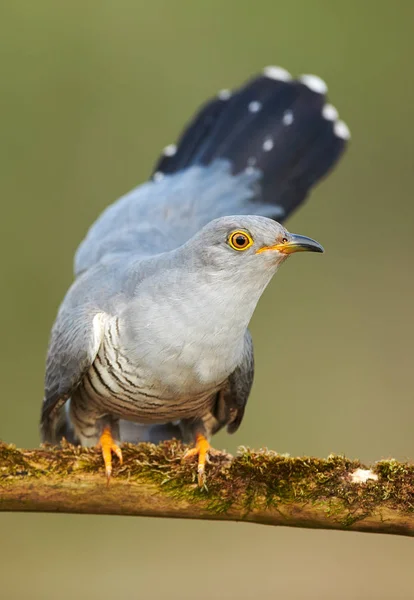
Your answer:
<point x="13" y="463"/>
<point x="256" y="479"/>
<point x="251" y="481"/>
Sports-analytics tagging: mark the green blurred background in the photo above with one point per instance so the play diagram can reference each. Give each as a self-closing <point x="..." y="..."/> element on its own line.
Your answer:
<point x="90" y="93"/>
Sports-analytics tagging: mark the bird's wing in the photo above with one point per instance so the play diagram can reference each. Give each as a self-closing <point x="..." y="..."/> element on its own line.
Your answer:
<point x="75" y="340"/>
<point x="258" y="150"/>
<point x="239" y="384"/>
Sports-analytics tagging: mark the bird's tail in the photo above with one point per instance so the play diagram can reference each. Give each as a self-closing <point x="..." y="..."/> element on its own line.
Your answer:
<point x="282" y="127"/>
<point x="57" y="426"/>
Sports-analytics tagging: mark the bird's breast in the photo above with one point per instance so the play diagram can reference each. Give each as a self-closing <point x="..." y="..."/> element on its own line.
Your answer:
<point x="165" y="390"/>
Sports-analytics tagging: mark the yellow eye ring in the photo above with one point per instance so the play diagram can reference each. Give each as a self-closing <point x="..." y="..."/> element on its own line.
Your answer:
<point x="240" y="240"/>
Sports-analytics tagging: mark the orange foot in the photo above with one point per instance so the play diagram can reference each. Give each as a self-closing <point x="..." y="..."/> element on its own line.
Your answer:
<point x="108" y="445"/>
<point x="202" y="450"/>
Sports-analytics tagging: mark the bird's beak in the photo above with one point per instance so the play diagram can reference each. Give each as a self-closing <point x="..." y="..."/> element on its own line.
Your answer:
<point x="300" y="243"/>
<point x="296" y="243"/>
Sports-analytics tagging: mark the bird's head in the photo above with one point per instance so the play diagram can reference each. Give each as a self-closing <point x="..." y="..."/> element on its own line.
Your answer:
<point x="249" y="244"/>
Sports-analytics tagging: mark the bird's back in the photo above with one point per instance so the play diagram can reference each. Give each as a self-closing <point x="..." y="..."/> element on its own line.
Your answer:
<point x="257" y="150"/>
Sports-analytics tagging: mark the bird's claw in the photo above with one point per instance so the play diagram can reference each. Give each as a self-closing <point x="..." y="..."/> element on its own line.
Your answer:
<point x="202" y="450"/>
<point x="109" y="446"/>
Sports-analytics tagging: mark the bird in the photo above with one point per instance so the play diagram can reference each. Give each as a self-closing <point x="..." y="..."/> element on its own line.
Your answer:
<point x="151" y="341"/>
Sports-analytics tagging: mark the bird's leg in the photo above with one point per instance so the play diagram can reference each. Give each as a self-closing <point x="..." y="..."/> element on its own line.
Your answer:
<point x="108" y="445"/>
<point x="202" y="450"/>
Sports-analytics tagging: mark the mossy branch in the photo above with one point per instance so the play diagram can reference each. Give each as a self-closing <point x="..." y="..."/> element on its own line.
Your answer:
<point x="258" y="487"/>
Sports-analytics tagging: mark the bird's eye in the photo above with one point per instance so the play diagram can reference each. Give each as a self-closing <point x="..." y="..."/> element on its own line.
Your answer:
<point x="284" y="240"/>
<point x="240" y="240"/>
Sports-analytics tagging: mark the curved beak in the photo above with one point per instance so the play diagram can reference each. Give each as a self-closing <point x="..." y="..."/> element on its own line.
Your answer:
<point x="299" y="243"/>
<point x="296" y="243"/>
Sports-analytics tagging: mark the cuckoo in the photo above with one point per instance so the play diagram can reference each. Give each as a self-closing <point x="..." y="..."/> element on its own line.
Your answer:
<point x="151" y="340"/>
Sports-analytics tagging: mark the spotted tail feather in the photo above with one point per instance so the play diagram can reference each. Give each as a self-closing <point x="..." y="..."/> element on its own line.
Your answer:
<point x="280" y="126"/>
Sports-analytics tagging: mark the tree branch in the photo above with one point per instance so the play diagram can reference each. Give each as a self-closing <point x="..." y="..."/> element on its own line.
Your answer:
<point x="258" y="487"/>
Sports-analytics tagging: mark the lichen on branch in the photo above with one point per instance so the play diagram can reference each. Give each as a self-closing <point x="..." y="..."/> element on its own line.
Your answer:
<point x="262" y="487"/>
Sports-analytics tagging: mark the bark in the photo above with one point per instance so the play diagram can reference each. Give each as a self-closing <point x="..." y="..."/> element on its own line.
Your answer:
<point x="258" y="487"/>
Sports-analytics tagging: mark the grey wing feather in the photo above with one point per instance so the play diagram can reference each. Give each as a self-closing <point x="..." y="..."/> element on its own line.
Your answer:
<point x="75" y="340"/>
<point x="232" y="402"/>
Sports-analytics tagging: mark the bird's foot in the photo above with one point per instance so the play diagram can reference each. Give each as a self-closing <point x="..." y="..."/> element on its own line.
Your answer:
<point x="108" y="445"/>
<point x="202" y="450"/>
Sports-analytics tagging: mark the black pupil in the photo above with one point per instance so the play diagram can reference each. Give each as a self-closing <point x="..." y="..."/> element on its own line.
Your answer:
<point x="240" y="240"/>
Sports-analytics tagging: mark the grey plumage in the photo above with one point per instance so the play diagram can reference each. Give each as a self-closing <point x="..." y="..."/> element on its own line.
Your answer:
<point x="153" y="333"/>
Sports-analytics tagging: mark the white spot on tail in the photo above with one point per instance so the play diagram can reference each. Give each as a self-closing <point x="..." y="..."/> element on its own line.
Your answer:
<point x="268" y="144"/>
<point x="314" y="83"/>
<point x="287" y="117"/>
<point x="224" y="94"/>
<point x="158" y="176"/>
<point x="170" y="150"/>
<point x="363" y="475"/>
<point x="249" y="170"/>
<point x="255" y="106"/>
<point x="341" y="130"/>
<point x="329" y="112"/>
<point x="277" y="73"/>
